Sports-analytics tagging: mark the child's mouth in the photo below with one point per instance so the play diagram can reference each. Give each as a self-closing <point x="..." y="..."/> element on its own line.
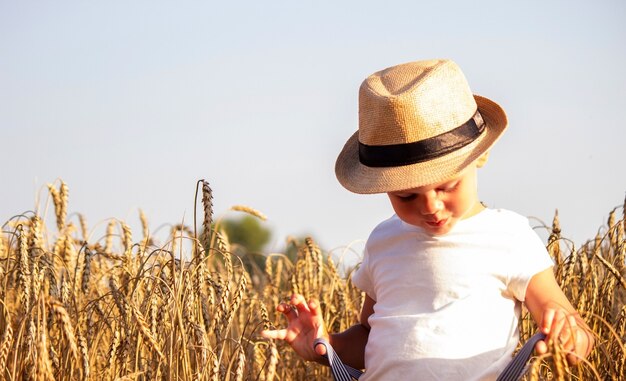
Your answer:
<point x="437" y="223"/>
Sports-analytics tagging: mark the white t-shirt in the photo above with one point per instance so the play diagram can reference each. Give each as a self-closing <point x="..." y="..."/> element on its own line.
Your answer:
<point x="447" y="307"/>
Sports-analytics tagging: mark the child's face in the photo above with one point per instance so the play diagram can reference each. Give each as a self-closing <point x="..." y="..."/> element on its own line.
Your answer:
<point x="437" y="208"/>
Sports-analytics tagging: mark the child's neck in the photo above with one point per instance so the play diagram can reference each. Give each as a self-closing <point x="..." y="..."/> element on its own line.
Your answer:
<point x="474" y="210"/>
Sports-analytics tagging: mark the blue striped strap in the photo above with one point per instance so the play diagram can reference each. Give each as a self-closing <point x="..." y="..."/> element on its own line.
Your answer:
<point x="341" y="372"/>
<point x="513" y="371"/>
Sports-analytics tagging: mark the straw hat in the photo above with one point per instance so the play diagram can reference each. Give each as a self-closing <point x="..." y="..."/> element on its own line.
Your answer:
<point x="419" y="124"/>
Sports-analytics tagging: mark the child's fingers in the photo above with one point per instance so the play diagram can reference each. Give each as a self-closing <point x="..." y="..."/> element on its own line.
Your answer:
<point x="314" y="307"/>
<point x="279" y="334"/>
<point x="561" y="327"/>
<point x="298" y="301"/>
<point x="320" y="349"/>
<point x="569" y="337"/>
<point x="541" y="347"/>
<point x="557" y="324"/>
<point x="287" y="310"/>
<point x="548" y="318"/>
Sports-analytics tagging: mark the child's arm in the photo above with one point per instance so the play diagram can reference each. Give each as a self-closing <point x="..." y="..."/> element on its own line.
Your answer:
<point x="305" y="324"/>
<point x="350" y="344"/>
<point x="557" y="318"/>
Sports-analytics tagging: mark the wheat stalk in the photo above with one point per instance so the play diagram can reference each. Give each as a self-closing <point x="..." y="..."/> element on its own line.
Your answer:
<point x="113" y="348"/>
<point x="23" y="270"/>
<point x="59" y="199"/>
<point x="5" y="347"/>
<point x="148" y="315"/>
<point x="44" y="370"/>
<point x="249" y="210"/>
<point x="108" y="240"/>
<point x="207" y="202"/>
<point x="86" y="271"/>
<point x="84" y="355"/>
<point x="272" y="362"/>
<point x="145" y="332"/>
<point x="68" y="331"/>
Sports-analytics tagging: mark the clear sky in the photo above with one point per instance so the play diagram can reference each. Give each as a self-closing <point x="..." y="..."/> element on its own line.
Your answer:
<point x="131" y="102"/>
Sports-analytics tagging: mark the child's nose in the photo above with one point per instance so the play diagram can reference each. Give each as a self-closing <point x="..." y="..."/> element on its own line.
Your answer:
<point x="431" y="204"/>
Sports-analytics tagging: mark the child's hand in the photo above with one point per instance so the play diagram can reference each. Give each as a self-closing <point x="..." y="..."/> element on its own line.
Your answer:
<point x="563" y="328"/>
<point x="305" y="324"/>
<point x="557" y="318"/>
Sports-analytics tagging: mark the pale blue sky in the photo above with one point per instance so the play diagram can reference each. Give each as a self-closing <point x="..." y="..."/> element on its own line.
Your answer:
<point x="132" y="102"/>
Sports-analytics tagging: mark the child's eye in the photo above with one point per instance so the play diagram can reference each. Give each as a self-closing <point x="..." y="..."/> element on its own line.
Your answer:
<point x="406" y="197"/>
<point x="449" y="188"/>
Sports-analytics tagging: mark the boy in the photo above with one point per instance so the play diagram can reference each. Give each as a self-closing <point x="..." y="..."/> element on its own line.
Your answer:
<point x="445" y="276"/>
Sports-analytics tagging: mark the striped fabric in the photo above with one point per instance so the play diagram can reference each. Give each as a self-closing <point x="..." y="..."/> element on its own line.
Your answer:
<point x="516" y="367"/>
<point x="340" y="371"/>
<point x="512" y="372"/>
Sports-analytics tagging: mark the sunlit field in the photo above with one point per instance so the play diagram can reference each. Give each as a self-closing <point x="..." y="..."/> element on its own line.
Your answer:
<point x="80" y="305"/>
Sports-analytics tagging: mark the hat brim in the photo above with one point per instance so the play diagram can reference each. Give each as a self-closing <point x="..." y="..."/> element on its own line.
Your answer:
<point x="362" y="179"/>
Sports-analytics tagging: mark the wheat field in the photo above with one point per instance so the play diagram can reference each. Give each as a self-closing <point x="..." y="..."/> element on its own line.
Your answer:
<point x="75" y="306"/>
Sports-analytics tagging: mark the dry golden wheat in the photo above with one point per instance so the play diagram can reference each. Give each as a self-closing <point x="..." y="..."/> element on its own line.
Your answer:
<point x="249" y="210"/>
<point x="191" y="309"/>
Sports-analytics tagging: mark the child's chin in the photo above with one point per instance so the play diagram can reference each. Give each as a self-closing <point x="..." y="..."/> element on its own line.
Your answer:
<point x="439" y="230"/>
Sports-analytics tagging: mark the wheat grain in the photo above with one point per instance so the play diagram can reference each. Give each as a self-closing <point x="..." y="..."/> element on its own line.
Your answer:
<point x="43" y="368"/>
<point x="207" y="202"/>
<point x="241" y="362"/>
<point x="189" y="302"/>
<point x="113" y="348"/>
<point x="127" y="237"/>
<point x="145" y="228"/>
<point x="56" y="200"/>
<point x="118" y="298"/>
<point x="28" y="347"/>
<point x="249" y="210"/>
<point x="37" y="275"/>
<point x="228" y="263"/>
<point x="611" y="226"/>
<point x="238" y="297"/>
<point x="62" y="213"/>
<point x="86" y="271"/>
<point x="268" y="268"/>
<point x="216" y="322"/>
<point x="272" y="362"/>
<point x="23" y="270"/>
<point x="265" y="319"/>
<point x="108" y="238"/>
<point x="84" y="355"/>
<point x="36" y="235"/>
<point x="54" y="360"/>
<point x="5" y="347"/>
<point x="65" y="292"/>
<point x="154" y="311"/>
<point x="83" y="227"/>
<point x="611" y="269"/>
<point x="145" y="332"/>
<point x="68" y="331"/>
<point x="215" y="367"/>
<point x="206" y="317"/>
<point x="4" y="250"/>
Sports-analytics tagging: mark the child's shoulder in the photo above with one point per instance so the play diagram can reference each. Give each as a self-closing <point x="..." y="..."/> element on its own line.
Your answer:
<point x="499" y="213"/>
<point x="506" y="214"/>
<point x="497" y="221"/>
<point x="498" y="217"/>
<point x="391" y="226"/>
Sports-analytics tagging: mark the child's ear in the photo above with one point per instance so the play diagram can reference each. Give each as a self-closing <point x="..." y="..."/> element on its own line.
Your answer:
<point x="482" y="160"/>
